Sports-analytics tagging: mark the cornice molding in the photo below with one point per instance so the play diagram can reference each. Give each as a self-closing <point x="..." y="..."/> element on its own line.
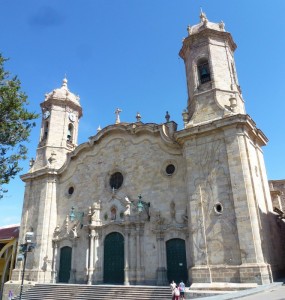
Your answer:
<point x="238" y="120"/>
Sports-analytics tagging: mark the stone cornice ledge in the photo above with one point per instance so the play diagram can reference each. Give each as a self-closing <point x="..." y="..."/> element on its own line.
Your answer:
<point x="39" y="173"/>
<point x="236" y="120"/>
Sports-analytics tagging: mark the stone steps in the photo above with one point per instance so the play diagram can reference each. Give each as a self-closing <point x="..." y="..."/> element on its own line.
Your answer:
<point x="94" y="292"/>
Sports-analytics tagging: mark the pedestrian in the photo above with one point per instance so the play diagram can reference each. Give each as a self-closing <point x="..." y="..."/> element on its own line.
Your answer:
<point x="10" y="295"/>
<point x="176" y="293"/>
<point x="182" y="289"/>
<point x="173" y="286"/>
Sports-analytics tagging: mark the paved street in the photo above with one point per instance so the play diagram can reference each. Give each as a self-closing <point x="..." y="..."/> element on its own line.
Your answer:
<point x="275" y="293"/>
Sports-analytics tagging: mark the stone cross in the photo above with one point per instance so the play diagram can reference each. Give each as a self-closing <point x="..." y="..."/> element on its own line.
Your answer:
<point x="117" y="112"/>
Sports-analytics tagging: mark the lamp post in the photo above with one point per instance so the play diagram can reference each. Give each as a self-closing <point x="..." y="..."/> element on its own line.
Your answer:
<point x="28" y="246"/>
<point x="76" y="216"/>
<point x="142" y="205"/>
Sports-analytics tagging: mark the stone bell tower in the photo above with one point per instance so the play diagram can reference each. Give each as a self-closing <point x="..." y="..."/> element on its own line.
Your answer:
<point x="61" y="112"/>
<point x="213" y="90"/>
<point x="229" y="203"/>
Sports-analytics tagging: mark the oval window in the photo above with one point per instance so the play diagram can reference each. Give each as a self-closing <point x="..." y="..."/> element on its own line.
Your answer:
<point x="116" y="180"/>
<point x="70" y="190"/>
<point x="170" y="169"/>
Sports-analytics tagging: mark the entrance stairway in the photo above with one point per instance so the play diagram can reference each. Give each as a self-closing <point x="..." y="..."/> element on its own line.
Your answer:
<point x="95" y="292"/>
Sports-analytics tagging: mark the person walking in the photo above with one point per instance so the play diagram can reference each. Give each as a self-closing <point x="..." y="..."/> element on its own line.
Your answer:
<point x="176" y="293"/>
<point x="182" y="289"/>
<point x="10" y="295"/>
<point x="173" y="286"/>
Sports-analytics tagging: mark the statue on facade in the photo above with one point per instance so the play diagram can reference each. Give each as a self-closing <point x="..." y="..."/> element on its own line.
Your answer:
<point x="74" y="231"/>
<point x="94" y="212"/>
<point x="159" y="220"/>
<point x="56" y="232"/>
<point x="127" y="212"/>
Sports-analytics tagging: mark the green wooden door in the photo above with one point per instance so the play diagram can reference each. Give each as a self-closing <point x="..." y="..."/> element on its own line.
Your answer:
<point x="176" y="260"/>
<point x="114" y="258"/>
<point x="65" y="264"/>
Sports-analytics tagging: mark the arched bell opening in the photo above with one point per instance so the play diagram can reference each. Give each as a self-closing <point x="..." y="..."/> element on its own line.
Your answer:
<point x="70" y="133"/>
<point x="204" y="71"/>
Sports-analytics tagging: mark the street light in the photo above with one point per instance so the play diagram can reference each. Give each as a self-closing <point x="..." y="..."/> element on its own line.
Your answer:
<point x="142" y="205"/>
<point x="76" y="216"/>
<point x="28" y="246"/>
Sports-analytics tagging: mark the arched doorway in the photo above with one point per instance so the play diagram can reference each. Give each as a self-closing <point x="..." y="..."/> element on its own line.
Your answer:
<point x="65" y="264"/>
<point x="176" y="260"/>
<point x="114" y="258"/>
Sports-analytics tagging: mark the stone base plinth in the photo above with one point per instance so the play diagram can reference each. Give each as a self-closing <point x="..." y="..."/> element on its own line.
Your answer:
<point x="33" y="275"/>
<point x="259" y="273"/>
<point x="199" y="274"/>
<point x="245" y="273"/>
<point x="161" y="277"/>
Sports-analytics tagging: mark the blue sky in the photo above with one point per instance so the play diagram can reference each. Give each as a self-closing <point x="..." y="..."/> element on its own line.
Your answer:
<point x="124" y="53"/>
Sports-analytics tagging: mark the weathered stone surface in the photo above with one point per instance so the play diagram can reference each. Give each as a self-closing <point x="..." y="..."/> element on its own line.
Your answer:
<point x="216" y="199"/>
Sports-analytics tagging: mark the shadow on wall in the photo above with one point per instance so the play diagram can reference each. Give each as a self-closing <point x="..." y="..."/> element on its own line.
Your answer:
<point x="272" y="230"/>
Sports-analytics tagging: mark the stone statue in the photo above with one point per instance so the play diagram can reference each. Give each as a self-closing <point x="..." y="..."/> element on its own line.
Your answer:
<point x="95" y="211"/>
<point x="74" y="231"/>
<point x="56" y="231"/>
<point x="158" y="219"/>
<point x="127" y="212"/>
<point x="222" y="25"/>
<point x="189" y="30"/>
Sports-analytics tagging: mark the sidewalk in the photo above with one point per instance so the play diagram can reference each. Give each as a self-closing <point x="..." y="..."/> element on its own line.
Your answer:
<point x="272" y="291"/>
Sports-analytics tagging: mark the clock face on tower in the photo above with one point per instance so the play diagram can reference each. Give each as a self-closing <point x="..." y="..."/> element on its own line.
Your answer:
<point x="46" y="114"/>
<point x="71" y="117"/>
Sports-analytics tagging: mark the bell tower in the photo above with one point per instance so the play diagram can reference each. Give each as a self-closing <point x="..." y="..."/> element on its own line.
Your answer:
<point x="226" y="178"/>
<point x="61" y="111"/>
<point x="213" y="90"/>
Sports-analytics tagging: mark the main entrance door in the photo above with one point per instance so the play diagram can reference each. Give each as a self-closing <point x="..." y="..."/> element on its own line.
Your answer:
<point x="114" y="258"/>
<point x="176" y="260"/>
<point x="65" y="264"/>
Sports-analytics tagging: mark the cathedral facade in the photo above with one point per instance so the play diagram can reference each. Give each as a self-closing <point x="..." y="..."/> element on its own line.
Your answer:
<point x="147" y="203"/>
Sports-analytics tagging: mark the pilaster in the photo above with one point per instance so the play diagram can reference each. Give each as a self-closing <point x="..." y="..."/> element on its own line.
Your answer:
<point x="126" y="250"/>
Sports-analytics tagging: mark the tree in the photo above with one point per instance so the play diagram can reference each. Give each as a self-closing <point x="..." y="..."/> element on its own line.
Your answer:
<point x="15" y="125"/>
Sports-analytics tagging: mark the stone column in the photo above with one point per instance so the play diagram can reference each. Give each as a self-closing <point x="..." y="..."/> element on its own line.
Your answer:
<point x="91" y="257"/>
<point x="161" y="270"/>
<point x="54" y="262"/>
<point x="126" y="250"/>
<point x="72" y="278"/>
<point x="96" y="256"/>
<point x="142" y="252"/>
<point x="138" y="255"/>
<point x="100" y="268"/>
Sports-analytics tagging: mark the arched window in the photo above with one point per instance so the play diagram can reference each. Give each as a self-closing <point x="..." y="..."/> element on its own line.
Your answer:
<point x="204" y="71"/>
<point x="70" y="133"/>
<point x="45" y="131"/>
